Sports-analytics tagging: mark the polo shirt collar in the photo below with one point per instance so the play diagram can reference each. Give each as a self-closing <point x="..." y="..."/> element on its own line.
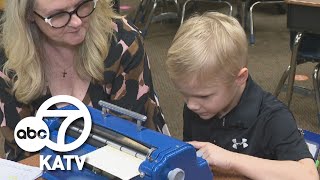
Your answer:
<point x="247" y="110"/>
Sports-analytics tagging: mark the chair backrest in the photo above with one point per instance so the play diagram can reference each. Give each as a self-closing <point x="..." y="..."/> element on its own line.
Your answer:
<point x="309" y="49"/>
<point x="116" y="5"/>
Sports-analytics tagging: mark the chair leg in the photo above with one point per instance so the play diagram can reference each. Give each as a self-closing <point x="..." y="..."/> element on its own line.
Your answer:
<point x="176" y="3"/>
<point x="281" y="82"/>
<point x="139" y="11"/>
<point x="252" y="38"/>
<point x="145" y="29"/>
<point x="316" y="89"/>
<point x="145" y="10"/>
<point x="167" y="15"/>
<point x="183" y="11"/>
<point x="244" y="14"/>
<point x="186" y="2"/>
<point x="241" y="4"/>
<point x="230" y="7"/>
<point x="293" y="65"/>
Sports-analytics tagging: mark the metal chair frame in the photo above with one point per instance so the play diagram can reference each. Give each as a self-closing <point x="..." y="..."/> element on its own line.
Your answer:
<point x="290" y="72"/>
<point x="211" y="1"/>
<point x="252" y="37"/>
<point x="144" y="7"/>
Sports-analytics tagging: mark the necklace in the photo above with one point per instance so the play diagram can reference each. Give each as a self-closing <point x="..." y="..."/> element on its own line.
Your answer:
<point x="64" y="73"/>
<point x="60" y="71"/>
<point x="59" y="62"/>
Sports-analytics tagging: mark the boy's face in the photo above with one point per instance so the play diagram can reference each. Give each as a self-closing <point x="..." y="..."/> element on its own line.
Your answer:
<point x="210" y="99"/>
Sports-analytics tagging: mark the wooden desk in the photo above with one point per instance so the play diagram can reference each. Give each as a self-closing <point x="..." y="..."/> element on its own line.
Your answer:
<point x="218" y="174"/>
<point x="303" y="15"/>
<point x="315" y="3"/>
<point x="31" y="161"/>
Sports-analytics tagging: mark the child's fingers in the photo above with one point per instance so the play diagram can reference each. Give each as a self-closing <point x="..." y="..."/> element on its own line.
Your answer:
<point x="196" y="144"/>
<point x="199" y="153"/>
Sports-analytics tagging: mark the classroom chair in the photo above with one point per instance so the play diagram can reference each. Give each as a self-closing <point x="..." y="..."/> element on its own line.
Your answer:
<point x="210" y="1"/>
<point x="249" y="5"/>
<point x="305" y="48"/>
<point x="147" y="8"/>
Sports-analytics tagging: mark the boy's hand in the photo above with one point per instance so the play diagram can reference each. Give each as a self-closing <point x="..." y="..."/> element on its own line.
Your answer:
<point x="213" y="154"/>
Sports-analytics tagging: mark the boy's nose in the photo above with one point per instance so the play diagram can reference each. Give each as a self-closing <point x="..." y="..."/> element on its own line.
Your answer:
<point x="192" y="105"/>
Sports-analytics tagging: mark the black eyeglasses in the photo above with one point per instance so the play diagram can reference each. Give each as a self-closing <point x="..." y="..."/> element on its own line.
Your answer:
<point x="61" y="19"/>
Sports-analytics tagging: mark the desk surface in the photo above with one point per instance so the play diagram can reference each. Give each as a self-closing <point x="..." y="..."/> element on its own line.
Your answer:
<point x="315" y="3"/>
<point x="218" y="175"/>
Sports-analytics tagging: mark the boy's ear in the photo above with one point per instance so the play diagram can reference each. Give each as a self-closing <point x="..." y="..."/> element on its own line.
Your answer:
<point x="242" y="76"/>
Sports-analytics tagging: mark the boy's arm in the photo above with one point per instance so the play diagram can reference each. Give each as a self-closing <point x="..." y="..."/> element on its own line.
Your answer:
<point x="283" y="138"/>
<point x="257" y="168"/>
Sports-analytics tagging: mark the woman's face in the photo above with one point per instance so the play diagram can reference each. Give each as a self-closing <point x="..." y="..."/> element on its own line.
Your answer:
<point x="74" y="32"/>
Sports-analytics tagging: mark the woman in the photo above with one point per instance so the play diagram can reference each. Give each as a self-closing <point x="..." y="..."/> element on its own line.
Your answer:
<point x="78" y="48"/>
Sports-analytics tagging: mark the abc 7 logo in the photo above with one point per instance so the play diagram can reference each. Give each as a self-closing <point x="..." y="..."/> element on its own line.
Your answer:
<point x="32" y="133"/>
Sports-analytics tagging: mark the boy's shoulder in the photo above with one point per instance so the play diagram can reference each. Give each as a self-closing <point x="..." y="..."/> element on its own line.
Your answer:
<point x="275" y="113"/>
<point x="261" y="101"/>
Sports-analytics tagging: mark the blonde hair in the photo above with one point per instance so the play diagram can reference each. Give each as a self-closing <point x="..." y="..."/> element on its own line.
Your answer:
<point x="21" y="40"/>
<point x="211" y="46"/>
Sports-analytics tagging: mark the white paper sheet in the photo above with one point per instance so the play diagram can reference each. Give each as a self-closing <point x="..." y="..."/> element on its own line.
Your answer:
<point x="312" y="148"/>
<point x="16" y="171"/>
<point x="115" y="162"/>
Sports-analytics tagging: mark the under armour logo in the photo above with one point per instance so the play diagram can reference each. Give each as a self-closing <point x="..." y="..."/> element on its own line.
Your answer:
<point x="244" y="143"/>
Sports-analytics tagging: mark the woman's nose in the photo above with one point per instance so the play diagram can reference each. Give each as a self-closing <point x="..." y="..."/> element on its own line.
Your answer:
<point x="75" y="21"/>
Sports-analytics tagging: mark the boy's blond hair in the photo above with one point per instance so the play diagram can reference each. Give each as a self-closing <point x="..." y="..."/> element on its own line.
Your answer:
<point x="212" y="46"/>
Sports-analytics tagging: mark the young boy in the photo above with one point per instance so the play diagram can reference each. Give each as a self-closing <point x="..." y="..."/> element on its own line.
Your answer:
<point x="240" y="126"/>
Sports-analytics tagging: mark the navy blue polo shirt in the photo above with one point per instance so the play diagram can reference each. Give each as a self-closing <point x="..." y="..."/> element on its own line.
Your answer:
<point x="260" y="125"/>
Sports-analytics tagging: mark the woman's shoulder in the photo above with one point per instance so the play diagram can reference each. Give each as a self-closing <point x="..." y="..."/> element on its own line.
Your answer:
<point x="2" y="58"/>
<point x="2" y="62"/>
<point x="125" y="31"/>
<point x="126" y="44"/>
<point x="3" y="78"/>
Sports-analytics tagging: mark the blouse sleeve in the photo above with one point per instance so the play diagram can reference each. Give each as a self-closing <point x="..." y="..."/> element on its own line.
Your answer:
<point x="128" y="77"/>
<point x="9" y="117"/>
